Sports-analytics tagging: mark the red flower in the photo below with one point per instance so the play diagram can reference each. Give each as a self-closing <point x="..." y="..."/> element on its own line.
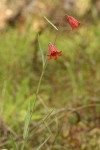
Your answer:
<point x="53" y="52"/>
<point x="73" y="22"/>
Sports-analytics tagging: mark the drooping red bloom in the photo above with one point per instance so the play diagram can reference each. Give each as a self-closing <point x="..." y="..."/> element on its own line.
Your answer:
<point x="73" y="22"/>
<point x="53" y="52"/>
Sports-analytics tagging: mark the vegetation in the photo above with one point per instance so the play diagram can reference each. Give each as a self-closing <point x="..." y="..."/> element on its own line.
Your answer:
<point x="67" y="112"/>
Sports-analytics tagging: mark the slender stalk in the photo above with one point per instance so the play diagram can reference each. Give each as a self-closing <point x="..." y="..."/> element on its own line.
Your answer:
<point x="34" y="104"/>
<point x="56" y="36"/>
<point x="57" y="33"/>
<point x="39" y="84"/>
<point x="37" y="91"/>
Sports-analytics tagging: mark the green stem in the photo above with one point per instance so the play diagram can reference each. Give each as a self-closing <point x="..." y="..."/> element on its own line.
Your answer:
<point x="57" y="33"/>
<point x="39" y="83"/>
<point x="34" y="104"/>
<point x="56" y="37"/>
<point x="37" y="91"/>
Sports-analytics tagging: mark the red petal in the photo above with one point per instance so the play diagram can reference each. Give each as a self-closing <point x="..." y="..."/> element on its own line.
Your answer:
<point x="59" y="53"/>
<point x="53" y="52"/>
<point x="55" y="57"/>
<point x="73" y="22"/>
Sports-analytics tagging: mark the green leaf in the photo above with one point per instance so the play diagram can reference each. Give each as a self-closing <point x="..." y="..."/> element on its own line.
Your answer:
<point x="50" y="23"/>
<point x="27" y="121"/>
<point x="41" y="52"/>
<point x="13" y="143"/>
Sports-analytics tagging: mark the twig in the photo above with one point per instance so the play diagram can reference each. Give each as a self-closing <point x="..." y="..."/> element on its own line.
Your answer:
<point x="62" y="110"/>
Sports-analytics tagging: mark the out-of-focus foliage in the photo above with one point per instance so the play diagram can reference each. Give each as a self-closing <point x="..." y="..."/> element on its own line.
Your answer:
<point x="15" y="11"/>
<point x="70" y="82"/>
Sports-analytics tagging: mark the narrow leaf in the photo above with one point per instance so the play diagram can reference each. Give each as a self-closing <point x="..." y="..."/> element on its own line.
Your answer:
<point x="50" y="23"/>
<point x="13" y="143"/>
<point x="27" y="121"/>
<point x="41" y="52"/>
<point x="43" y="144"/>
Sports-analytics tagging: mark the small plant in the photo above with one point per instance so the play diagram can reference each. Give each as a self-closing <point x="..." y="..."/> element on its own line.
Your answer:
<point x="51" y="53"/>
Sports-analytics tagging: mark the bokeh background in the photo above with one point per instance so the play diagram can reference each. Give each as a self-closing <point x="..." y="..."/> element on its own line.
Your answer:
<point x="71" y="81"/>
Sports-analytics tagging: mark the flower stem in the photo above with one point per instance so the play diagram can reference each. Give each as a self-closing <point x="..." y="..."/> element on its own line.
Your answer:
<point x="38" y="87"/>
<point x="34" y="104"/>
<point x="57" y="33"/>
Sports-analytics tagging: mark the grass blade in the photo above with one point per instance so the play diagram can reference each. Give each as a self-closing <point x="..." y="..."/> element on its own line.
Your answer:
<point x="13" y="143"/>
<point x="50" y="23"/>
<point x="41" y="52"/>
<point x="39" y="148"/>
<point x="27" y="121"/>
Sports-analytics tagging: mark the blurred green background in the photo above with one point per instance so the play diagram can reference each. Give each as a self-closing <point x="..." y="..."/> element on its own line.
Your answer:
<point x="72" y="81"/>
